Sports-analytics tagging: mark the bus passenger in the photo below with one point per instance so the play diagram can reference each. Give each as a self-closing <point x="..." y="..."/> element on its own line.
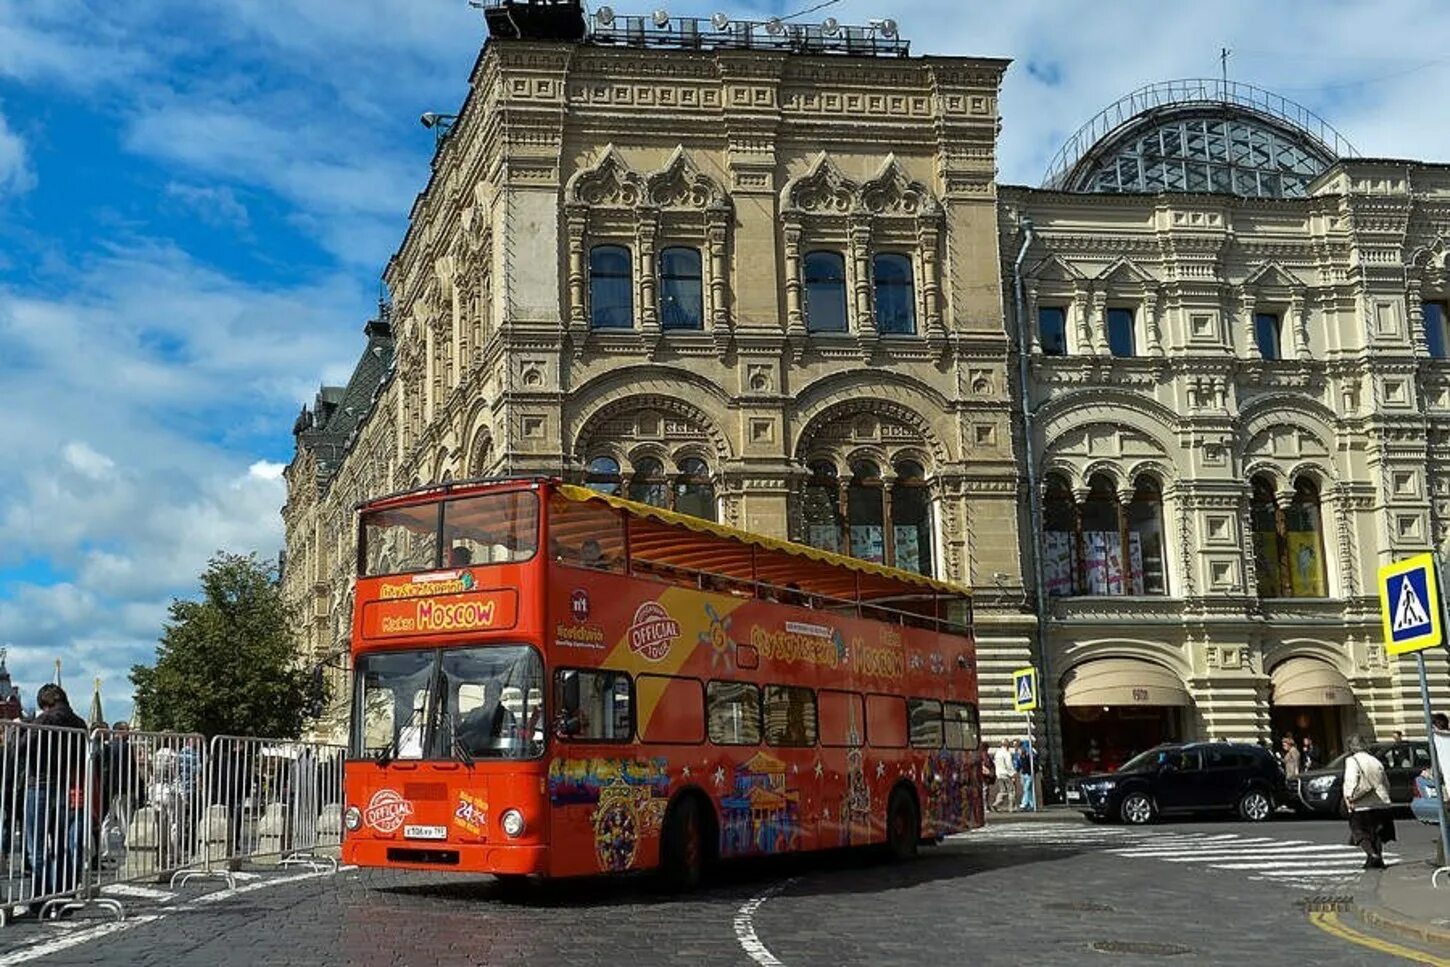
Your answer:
<point x="592" y="555"/>
<point x="459" y="556"/>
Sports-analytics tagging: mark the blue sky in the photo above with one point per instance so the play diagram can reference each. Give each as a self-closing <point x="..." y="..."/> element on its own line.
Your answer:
<point x="196" y="202"/>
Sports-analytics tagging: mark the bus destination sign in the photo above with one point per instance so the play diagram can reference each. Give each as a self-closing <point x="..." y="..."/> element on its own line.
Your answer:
<point x="478" y="611"/>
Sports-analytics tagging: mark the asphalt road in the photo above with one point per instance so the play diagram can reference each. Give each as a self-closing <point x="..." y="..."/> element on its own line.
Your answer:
<point x="1035" y="893"/>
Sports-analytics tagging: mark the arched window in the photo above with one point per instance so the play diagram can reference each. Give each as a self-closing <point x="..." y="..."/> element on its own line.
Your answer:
<point x="865" y="513"/>
<point x="821" y="508"/>
<point x="1288" y="541"/>
<point x="1060" y="563"/>
<point x="694" y="493"/>
<point x="1102" y="538"/>
<point x="611" y="288"/>
<point x="603" y="475"/>
<point x="1146" y="571"/>
<point x="825" y="292"/>
<point x="682" y="300"/>
<point x="895" y="294"/>
<point x="648" y="485"/>
<point x="911" y="519"/>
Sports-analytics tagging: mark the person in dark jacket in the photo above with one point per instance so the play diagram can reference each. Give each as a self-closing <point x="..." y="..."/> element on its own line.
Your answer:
<point x="54" y="761"/>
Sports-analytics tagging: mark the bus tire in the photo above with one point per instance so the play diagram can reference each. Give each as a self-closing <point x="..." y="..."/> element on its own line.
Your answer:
<point x="682" y="846"/>
<point x="903" y="825"/>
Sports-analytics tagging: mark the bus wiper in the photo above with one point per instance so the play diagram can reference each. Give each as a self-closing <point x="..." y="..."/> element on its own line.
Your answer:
<point x="391" y="749"/>
<point x="457" y="747"/>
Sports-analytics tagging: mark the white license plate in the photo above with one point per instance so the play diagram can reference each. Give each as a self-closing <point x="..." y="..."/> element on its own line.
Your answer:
<point x="1073" y="795"/>
<point x="425" y="832"/>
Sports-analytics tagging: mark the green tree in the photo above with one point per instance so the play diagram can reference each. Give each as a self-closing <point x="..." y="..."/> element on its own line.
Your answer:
<point x="227" y="664"/>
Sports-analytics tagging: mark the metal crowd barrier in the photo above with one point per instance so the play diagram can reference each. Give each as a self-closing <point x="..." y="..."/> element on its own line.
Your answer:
<point x="86" y="817"/>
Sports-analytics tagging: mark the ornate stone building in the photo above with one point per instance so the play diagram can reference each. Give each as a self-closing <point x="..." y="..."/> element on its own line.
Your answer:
<point x="756" y="280"/>
<point x="1239" y="401"/>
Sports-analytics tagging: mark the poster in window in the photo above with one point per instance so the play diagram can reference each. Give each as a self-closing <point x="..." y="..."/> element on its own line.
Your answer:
<point x="1103" y="557"/>
<point x="908" y="548"/>
<point x="868" y="542"/>
<point x="1057" y="563"/>
<point x="1306" y="571"/>
<point x="825" y="536"/>
<point x="1266" y="563"/>
<point x="1135" y="562"/>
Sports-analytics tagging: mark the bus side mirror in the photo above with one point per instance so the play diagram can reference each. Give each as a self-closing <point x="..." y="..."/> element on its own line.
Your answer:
<point x="571" y="691"/>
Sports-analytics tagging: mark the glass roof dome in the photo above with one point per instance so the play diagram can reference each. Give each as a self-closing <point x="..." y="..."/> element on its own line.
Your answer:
<point x="1199" y="136"/>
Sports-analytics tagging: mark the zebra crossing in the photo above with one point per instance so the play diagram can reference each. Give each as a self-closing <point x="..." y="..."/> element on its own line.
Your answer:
<point x="1299" y="863"/>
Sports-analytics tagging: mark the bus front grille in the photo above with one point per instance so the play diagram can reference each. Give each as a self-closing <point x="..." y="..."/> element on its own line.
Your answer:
<point x="432" y="857"/>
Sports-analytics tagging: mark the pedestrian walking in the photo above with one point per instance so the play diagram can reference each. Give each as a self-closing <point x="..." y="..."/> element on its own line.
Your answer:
<point x="1309" y="756"/>
<point x="1004" y="795"/>
<point x="1289" y="757"/>
<point x="1440" y="735"/>
<point x="54" y="767"/>
<point x="1025" y="768"/>
<point x="1367" y="796"/>
<point x="988" y="775"/>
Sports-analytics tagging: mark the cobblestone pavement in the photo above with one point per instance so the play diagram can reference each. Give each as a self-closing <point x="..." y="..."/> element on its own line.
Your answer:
<point x="1028" y="893"/>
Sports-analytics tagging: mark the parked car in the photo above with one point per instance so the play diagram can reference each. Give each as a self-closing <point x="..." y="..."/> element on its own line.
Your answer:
<point x="1320" y="791"/>
<point x="1183" y="778"/>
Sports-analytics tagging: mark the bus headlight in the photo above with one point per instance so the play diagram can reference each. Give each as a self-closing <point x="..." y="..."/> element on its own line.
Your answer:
<point x="512" y="822"/>
<point x="352" y="819"/>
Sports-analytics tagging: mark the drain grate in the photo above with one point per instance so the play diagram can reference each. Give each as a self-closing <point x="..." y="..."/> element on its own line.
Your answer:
<point x="1140" y="947"/>
<point x="1325" y="904"/>
<point x="1080" y="906"/>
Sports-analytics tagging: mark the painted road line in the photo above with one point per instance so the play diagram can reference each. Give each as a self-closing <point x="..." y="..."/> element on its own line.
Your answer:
<point x="140" y="892"/>
<point x="1330" y="923"/>
<point x="44" y="949"/>
<point x="745" y="927"/>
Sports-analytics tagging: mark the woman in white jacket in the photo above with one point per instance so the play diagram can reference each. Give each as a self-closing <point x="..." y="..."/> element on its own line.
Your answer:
<point x="1367" y="796"/>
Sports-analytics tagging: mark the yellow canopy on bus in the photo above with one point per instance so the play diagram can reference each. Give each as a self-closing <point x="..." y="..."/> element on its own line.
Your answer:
<point x="700" y="554"/>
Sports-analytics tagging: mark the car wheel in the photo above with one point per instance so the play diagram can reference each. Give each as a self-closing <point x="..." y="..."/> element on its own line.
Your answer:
<point x="1255" y="806"/>
<point x="1136" y="809"/>
<point x="903" y="828"/>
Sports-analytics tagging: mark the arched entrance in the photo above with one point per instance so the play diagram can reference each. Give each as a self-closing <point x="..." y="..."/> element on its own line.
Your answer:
<point x="1114" y="708"/>
<point x="1309" y="696"/>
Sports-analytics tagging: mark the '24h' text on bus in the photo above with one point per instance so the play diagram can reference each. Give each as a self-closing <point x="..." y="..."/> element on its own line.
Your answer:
<point x="550" y="681"/>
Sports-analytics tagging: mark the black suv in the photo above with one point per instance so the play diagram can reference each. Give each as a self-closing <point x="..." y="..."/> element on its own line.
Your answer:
<point x="1320" y="791"/>
<point x="1196" y="777"/>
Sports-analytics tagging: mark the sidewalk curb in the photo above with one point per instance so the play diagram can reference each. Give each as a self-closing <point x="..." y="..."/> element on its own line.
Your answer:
<point x="1383" y="919"/>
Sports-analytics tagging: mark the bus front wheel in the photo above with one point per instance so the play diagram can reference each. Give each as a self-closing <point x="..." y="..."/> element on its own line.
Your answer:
<point x="903" y="827"/>
<point x="682" y="847"/>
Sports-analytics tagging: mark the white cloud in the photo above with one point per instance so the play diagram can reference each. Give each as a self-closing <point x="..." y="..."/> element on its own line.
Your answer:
<point x="265" y="470"/>
<point x="16" y="174"/>
<point x="217" y="205"/>
<point x="93" y="465"/>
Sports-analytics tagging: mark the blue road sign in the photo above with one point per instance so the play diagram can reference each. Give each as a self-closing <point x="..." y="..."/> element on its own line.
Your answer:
<point x="1410" y="604"/>
<point x="1024" y="689"/>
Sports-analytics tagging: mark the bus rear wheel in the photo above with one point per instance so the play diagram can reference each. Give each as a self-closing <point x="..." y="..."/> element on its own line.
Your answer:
<point x="903" y="827"/>
<point x="682" y="847"/>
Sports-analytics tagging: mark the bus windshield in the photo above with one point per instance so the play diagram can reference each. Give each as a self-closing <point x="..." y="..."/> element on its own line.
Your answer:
<point x="454" y="703"/>
<point x="494" y="528"/>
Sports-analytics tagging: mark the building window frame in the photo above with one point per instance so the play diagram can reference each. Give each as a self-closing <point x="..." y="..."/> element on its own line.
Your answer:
<point x="894" y="292"/>
<point x="826" y="291"/>
<point x="1269" y="335"/>
<point x="682" y="289"/>
<point x="607" y="311"/>
<point x="1052" y="330"/>
<point x="1437" y="329"/>
<point x="1120" y="324"/>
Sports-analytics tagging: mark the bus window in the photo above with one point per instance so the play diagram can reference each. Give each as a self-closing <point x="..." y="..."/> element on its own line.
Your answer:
<point x="734" y="713"/>
<point x="491" y="528"/>
<point x="790" y="715"/>
<point x="843" y="719"/>
<point x="925" y="716"/>
<point x="400" y="539"/>
<point x="586" y="534"/>
<point x="593" y="706"/>
<point x="671" y="710"/>
<point x="886" y="721"/>
<point x="963" y="728"/>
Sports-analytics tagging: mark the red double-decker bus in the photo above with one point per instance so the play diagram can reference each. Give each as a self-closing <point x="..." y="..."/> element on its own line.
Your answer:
<point x="550" y="681"/>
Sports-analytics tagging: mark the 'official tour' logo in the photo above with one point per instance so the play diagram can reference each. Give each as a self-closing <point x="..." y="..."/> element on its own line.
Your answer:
<point x="386" y="811"/>
<point x="652" y="631"/>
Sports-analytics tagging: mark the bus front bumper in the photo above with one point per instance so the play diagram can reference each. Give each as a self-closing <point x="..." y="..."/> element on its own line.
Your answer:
<point x="461" y="857"/>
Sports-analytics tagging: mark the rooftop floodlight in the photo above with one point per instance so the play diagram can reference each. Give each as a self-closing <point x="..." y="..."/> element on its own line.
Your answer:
<point x="888" y="29"/>
<point x="604" y="16"/>
<point x="719" y="20"/>
<point x="775" y="26"/>
<point x="661" y="17"/>
<point x="830" y="26"/>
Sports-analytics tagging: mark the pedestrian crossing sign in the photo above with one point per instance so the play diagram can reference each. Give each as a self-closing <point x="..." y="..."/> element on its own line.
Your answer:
<point x="1024" y="689"/>
<point x="1410" y="605"/>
